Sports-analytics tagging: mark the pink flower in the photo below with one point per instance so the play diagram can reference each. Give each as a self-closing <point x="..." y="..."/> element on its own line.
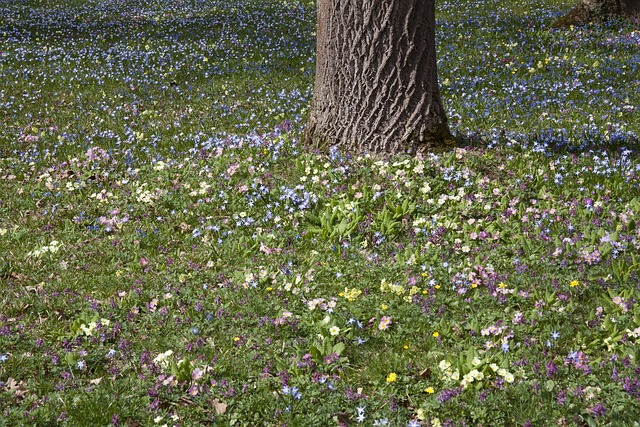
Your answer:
<point x="384" y="323"/>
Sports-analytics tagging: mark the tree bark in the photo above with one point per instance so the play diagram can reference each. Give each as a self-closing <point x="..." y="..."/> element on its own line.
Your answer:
<point x="599" y="10"/>
<point x="376" y="86"/>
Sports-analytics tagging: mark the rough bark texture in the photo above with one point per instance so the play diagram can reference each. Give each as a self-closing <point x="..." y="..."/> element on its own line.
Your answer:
<point x="376" y="85"/>
<point x="599" y="10"/>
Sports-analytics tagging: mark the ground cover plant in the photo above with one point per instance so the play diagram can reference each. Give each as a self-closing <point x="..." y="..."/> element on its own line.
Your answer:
<point x="171" y="255"/>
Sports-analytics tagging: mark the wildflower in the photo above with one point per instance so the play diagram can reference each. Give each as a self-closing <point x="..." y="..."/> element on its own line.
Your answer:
<point x="574" y="283"/>
<point x="429" y="390"/>
<point x="555" y="335"/>
<point x="413" y="423"/>
<point x="477" y="375"/>
<point x="508" y="377"/>
<point x="599" y="410"/>
<point x="351" y="294"/>
<point x="334" y="331"/>
<point x="4" y="358"/>
<point x="436" y="334"/>
<point x="384" y="323"/>
<point x="444" y="365"/>
<point x="392" y="377"/>
<point x="193" y="390"/>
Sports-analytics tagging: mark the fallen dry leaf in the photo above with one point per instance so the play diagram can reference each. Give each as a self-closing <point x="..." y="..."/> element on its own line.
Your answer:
<point x="220" y="407"/>
<point x="17" y="388"/>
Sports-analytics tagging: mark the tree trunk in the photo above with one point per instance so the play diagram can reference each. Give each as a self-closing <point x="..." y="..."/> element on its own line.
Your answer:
<point x="599" y="10"/>
<point x="376" y="86"/>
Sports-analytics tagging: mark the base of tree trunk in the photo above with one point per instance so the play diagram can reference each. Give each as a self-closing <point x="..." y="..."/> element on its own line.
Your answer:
<point x="437" y="138"/>
<point x="587" y="11"/>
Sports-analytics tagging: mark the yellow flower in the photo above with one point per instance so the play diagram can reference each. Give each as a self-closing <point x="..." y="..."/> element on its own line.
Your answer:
<point x="437" y="286"/>
<point x="429" y="390"/>
<point x="574" y="283"/>
<point x="502" y="285"/>
<point x="392" y="377"/>
<point x="406" y="347"/>
<point x="236" y="339"/>
<point x="384" y="307"/>
<point x="436" y="334"/>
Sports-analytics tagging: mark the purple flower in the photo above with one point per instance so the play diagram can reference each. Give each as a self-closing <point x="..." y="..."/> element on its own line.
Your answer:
<point x="599" y="410"/>
<point x="448" y="394"/>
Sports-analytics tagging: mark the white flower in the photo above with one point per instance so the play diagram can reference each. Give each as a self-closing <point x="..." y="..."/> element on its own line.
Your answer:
<point x="444" y="365"/>
<point x="477" y="375"/>
<point x="334" y="331"/>
<point x="508" y="377"/>
<point x="161" y="358"/>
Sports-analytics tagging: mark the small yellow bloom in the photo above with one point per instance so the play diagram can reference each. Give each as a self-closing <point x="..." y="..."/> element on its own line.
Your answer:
<point x="436" y="334"/>
<point x="437" y="286"/>
<point x="269" y="289"/>
<point x="429" y="390"/>
<point x="574" y="283"/>
<point x="236" y="339"/>
<point x="392" y="377"/>
<point x="502" y="285"/>
<point x="384" y="307"/>
<point x="406" y="347"/>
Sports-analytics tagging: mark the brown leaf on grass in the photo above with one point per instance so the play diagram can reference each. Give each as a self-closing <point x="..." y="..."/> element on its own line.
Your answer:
<point x="18" y="388"/>
<point x="343" y="418"/>
<point x="219" y="407"/>
<point x="425" y="373"/>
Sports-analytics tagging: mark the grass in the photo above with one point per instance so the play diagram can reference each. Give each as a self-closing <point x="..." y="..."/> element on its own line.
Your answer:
<point x="171" y="255"/>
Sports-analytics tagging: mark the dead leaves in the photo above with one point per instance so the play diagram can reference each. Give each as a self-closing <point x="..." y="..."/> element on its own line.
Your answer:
<point x="219" y="407"/>
<point x="16" y="388"/>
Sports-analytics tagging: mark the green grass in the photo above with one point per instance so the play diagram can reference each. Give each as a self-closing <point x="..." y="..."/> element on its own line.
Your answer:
<point x="171" y="254"/>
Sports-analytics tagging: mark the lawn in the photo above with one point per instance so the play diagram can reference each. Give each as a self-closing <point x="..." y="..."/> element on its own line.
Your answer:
<point x="171" y="254"/>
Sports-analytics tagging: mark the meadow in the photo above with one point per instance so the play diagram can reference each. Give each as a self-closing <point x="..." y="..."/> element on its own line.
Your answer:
<point x="172" y="255"/>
